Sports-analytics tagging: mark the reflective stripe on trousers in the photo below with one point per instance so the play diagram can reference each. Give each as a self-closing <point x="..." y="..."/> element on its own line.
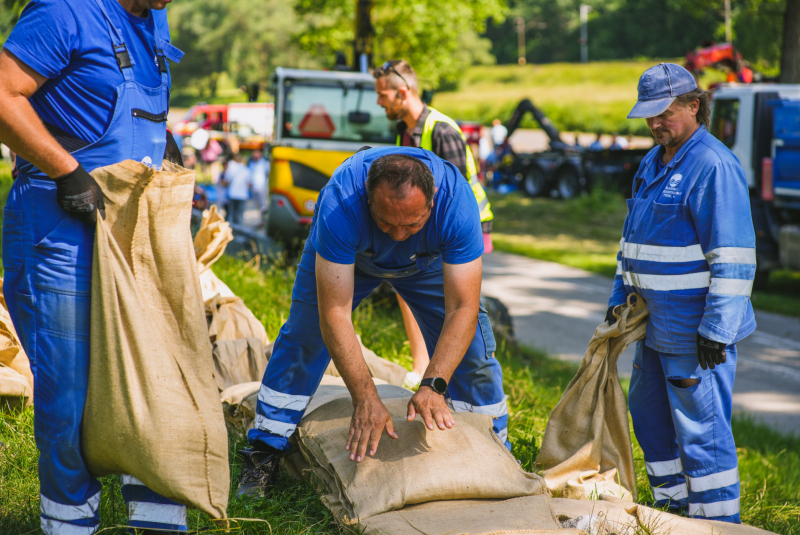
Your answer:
<point x="685" y="433"/>
<point x="299" y="356"/>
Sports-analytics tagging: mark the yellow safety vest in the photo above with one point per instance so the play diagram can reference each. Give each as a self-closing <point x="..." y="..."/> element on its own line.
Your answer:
<point x="427" y="143"/>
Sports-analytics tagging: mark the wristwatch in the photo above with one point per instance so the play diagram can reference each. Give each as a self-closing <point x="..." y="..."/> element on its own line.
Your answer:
<point x="438" y="384"/>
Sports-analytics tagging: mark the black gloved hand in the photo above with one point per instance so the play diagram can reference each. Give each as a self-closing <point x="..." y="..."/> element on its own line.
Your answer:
<point x="709" y="352"/>
<point x="79" y="195"/>
<point x="610" y="315"/>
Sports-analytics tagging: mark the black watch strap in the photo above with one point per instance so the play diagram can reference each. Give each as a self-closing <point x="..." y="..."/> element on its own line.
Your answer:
<point x="438" y="384"/>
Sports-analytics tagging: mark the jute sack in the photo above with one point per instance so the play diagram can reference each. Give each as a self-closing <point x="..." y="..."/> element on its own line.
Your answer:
<point x="230" y="319"/>
<point x="238" y="361"/>
<point x="586" y="449"/>
<point x="379" y="368"/>
<point x="153" y="407"/>
<point x="211" y="239"/>
<point x="16" y="379"/>
<point x="465" y="462"/>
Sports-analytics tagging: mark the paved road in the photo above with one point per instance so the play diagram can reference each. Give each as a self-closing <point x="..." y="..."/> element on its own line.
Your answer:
<point x="556" y="308"/>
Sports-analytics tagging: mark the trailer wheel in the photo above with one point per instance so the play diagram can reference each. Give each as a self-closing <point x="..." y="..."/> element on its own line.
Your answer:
<point x="533" y="182"/>
<point x="761" y="279"/>
<point x="569" y="183"/>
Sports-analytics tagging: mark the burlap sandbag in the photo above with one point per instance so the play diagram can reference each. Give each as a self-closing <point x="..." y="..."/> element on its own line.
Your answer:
<point x="16" y="380"/>
<point x="211" y="239"/>
<point x="230" y="319"/>
<point x="586" y="449"/>
<point x="239" y="361"/>
<point x="465" y="462"/>
<point x="153" y="407"/>
<point x="379" y="368"/>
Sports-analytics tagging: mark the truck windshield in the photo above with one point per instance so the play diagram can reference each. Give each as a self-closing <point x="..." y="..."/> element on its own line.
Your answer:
<point x="337" y="111"/>
<point x="724" y="120"/>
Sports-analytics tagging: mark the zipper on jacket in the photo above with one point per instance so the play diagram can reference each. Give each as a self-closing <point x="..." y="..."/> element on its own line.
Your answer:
<point x="152" y="117"/>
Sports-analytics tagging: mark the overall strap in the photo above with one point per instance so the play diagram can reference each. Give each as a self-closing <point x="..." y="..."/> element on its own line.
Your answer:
<point x="118" y="43"/>
<point x="164" y="50"/>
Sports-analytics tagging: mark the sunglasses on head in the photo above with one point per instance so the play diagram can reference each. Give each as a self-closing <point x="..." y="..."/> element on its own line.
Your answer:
<point x="386" y="67"/>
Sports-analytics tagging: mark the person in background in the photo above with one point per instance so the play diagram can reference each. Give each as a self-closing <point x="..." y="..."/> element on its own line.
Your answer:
<point x="238" y="181"/>
<point x="259" y="171"/>
<point x="687" y="249"/>
<point x="596" y="145"/>
<point x="84" y="84"/>
<point x="499" y="133"/>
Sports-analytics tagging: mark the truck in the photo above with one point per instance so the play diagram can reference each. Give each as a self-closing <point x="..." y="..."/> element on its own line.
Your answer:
<point x="760" y="123"/>
<point x="250" y="122"/>
<point x="321" y="119"/>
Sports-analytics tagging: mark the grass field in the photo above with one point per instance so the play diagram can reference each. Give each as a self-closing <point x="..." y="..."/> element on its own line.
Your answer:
<point x="584" y="232"/>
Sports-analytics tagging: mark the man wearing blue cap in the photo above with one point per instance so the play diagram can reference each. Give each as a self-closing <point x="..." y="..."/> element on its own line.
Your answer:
<point x="688" y="249"/>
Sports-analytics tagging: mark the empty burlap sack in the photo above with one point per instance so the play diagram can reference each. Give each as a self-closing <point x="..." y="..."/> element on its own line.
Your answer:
<point x="239" y="361"/>
<point x="16" y="380"/>
<point x="465" y="462"/>
<point x="211" y="239"/>
<point x="586" y="449"/>
<point x="153" y="407"/>
<point x="230" y="319"/>
<point x="622" y="517"/>
<point x="379" y="368"/>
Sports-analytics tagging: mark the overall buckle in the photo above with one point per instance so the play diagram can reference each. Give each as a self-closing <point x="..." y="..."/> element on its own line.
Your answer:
<point x="123" y="57"/>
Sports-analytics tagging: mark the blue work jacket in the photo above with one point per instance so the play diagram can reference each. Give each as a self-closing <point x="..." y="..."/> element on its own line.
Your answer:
<point x="688" y="246"/>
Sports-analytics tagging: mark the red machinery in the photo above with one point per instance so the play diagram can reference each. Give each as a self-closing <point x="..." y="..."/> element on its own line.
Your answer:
<point x="721" y="57"/>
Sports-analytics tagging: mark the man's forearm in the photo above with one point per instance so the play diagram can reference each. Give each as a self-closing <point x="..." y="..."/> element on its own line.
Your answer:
<point x="345" y="350"/>
<point x="457" y="334"/>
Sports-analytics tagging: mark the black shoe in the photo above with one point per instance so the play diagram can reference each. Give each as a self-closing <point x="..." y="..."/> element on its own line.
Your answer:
<point x="259" y="471"/>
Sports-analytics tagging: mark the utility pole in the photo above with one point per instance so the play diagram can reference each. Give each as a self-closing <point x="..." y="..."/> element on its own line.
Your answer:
<point x="728" y="31"/>
<point x="521" y="40"/>
<point x="365" y="34"/>
<point x="585" y="9"/>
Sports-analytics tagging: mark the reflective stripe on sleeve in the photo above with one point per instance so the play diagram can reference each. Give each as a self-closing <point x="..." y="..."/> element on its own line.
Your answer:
<point x="666" y="283"/>
<point x="714" y="481"/>
<point x="664" y="468"/>
<point x="281" y="429"/>
<point x="715" y="509"/>
<point x="731" y="255"/>
<point x="619" y="268"/>
<point x="157" y="513"/>
<point x="279" y="400"/>
<point x="658" y="253"/>
<point x="676" y="493"/>
<point x="720" y="286"/>
<point x="60" y="511"/>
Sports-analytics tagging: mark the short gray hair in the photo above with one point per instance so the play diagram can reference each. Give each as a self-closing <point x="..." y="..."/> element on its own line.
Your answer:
<point x="704" y="111"/>
<point x="399" y="171"/>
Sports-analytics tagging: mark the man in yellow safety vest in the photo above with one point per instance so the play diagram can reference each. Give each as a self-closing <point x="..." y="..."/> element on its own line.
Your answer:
<point x="419" y="125"/>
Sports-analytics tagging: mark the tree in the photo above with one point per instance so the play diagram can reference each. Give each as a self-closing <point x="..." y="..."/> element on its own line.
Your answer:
<point x="790" y="57"/>
<point x="438" y="37"/>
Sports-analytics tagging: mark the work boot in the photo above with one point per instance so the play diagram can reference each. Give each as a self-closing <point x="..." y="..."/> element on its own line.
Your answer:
<point x="259" y="471"/>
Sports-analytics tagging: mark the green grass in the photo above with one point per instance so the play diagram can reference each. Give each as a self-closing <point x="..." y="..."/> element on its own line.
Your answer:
<point x="584" y="232"/>
<point x="588" y="97"/>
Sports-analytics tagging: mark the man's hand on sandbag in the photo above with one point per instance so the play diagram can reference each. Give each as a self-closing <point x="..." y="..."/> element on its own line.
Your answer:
<point x="432" y="407"/>
<point x="370" y="418"/>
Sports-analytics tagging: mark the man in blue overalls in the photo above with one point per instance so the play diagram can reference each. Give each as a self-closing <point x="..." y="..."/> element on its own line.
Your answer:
<point x="688" y="249"/>
<point x="406" y="216"/>
<point x="85" y="84"/>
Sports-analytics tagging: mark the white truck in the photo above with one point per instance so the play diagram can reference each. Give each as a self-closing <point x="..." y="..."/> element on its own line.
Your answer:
<point x="760" y="123"/>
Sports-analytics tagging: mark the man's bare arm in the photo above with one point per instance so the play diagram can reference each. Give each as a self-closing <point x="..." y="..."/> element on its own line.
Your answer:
<point x="21" y="128"/>
<point x="335" y="284"/>
<point x="462" y="293"/>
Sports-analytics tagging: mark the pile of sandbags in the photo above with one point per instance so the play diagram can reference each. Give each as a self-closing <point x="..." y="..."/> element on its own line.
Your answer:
<point x="16" y="379"/>
<point x="152" y="409"/>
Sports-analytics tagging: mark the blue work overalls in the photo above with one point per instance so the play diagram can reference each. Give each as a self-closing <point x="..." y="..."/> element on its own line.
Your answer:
<point x="300" y="357"/>
<point x="47" y="257"/>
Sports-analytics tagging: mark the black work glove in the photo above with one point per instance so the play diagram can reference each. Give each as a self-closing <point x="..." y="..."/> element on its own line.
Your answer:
<point x="610" y="315"/>
<point x="709" y="352"/>
<point x="79" y="195"/>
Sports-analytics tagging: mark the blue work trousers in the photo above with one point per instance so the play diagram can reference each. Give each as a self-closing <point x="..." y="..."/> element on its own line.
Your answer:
<point x="47" y="257"/>
<point x="299" y="357"/>
<point x="685" y="433"/>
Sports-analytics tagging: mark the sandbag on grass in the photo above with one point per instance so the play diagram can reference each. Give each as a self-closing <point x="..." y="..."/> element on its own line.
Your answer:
<point x="153" y="408"/>
<point x="379" y="367"/>
<point x="465" y="462"/>
<point x="586" y="449"/>
<point x="16" y="379"/>
<point x="239" y="361"/>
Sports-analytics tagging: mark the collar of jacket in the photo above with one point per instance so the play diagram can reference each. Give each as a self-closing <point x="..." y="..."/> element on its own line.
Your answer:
<point x="416" y="134"/>
<point x="698" y="135"/>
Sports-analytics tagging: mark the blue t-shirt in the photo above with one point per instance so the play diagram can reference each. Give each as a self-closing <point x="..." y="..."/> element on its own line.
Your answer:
<point x="343" y="226"/>
<point x="68" y="41"/>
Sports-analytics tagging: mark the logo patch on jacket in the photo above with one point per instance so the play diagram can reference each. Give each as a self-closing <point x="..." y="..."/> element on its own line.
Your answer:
<point x="672" y="186"/>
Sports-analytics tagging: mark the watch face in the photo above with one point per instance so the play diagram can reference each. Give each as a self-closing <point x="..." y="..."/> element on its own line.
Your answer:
<point x="440" y="385"/>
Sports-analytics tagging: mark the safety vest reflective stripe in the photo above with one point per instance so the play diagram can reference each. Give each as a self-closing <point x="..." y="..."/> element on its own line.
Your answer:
<point x="426" y="142"/>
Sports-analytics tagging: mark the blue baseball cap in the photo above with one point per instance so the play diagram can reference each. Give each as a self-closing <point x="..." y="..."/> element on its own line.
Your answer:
<point x="658" y="88"/>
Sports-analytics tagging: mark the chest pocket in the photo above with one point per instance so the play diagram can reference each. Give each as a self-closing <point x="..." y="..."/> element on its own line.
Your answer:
<point x="668" y="223"/>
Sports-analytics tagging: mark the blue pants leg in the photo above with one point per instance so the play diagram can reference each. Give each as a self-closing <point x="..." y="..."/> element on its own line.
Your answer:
<point x="700" y="418"/>
<point x="299" y="356"/>
<point x="47" y="257"/>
